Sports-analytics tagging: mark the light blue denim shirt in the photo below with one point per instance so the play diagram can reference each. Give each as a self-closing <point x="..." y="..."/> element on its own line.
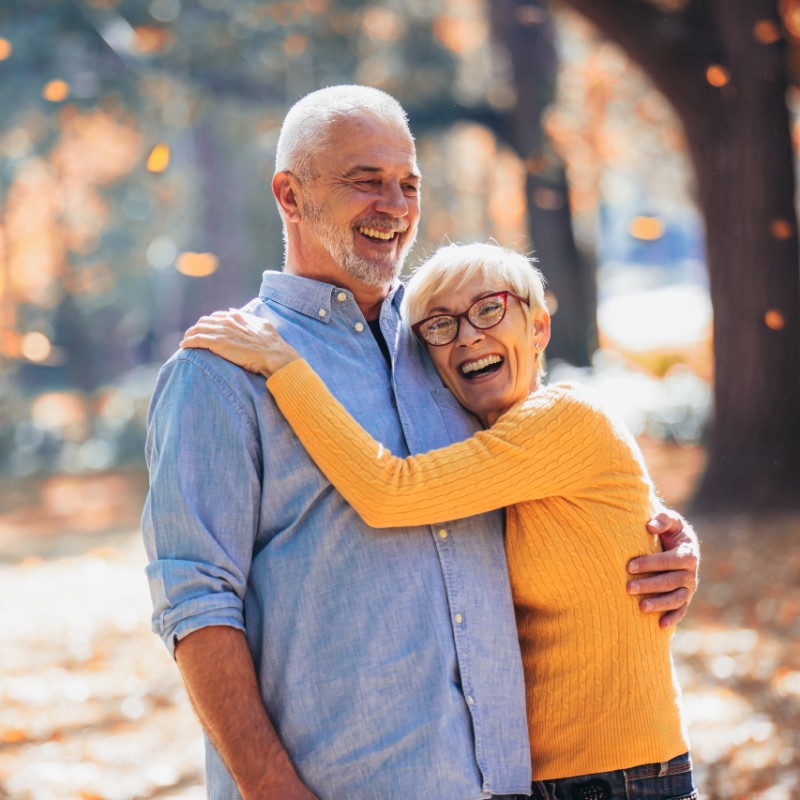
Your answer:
<point x="387" y="659"/>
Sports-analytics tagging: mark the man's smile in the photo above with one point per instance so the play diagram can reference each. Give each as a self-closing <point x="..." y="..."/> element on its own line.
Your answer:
<point x="382" y="236"/>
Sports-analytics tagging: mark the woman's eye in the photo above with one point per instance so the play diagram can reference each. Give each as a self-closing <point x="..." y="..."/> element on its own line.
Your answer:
<point x="490" y="309"/>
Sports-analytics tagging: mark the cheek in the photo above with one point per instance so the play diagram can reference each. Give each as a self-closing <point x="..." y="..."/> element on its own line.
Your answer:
<point x="440" y="360"/>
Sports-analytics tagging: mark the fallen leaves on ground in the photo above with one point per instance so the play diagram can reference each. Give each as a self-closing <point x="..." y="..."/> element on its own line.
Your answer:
<point x="92" y="706"/>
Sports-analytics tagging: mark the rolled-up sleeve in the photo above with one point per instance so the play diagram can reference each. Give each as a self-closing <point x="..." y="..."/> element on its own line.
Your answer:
<point x="201" y="514"/>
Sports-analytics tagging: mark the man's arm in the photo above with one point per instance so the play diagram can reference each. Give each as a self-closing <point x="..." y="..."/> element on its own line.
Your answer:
<point x="221" y="681"/>
<point x="199" y="525"/>
<point x="668" y="580"/>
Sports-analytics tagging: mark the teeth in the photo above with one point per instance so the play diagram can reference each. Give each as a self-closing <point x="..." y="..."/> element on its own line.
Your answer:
<point x="371" y="232"/>
<point x="481" y="363"/>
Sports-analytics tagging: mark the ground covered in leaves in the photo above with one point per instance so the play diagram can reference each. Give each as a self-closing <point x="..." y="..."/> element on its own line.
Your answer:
<point x="91" y="705"/>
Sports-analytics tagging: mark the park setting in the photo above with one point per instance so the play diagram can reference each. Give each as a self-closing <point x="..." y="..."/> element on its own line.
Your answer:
<point x="644" y="153"/>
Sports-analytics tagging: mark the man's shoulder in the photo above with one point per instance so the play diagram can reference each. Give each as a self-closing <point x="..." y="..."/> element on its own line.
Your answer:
<point x="196" y="376"/>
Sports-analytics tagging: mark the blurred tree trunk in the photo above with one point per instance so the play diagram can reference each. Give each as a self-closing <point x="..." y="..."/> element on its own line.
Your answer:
<point x="527" y="32"/>
<point x="723" y="69"/>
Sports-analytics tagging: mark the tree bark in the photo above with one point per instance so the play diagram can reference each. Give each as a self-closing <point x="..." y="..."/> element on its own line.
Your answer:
<point x="740" y="146"/>
<point x="526" y="31"/>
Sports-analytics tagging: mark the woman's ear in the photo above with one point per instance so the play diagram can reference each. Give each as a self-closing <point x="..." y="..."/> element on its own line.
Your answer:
<point x="288" y="192"/>
<point x="540" y="330"/>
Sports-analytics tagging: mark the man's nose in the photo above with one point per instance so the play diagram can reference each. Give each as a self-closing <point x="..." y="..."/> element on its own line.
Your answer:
<point x="392" y="201"/>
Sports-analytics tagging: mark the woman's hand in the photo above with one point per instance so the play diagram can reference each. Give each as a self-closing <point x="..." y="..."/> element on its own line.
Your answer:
<point x="244" y="339"/>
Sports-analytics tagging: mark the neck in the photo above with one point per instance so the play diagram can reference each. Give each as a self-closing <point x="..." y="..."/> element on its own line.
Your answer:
<point x="368" y="298"/>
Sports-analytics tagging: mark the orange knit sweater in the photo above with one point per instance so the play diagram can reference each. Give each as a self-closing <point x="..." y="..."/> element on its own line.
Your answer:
<point x="601" y="694"/>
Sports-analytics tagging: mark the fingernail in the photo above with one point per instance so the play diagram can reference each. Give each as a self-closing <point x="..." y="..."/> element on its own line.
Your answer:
<point x="656" y="523"/>
<point x="646" y="605"/>
<point x="633" y="587"/>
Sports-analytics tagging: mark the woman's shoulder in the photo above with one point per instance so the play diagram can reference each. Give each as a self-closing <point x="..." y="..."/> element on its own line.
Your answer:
<point x="567" y="394"/>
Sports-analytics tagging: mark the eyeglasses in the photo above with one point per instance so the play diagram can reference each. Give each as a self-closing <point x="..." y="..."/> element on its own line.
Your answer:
<point x="484" y="313"/>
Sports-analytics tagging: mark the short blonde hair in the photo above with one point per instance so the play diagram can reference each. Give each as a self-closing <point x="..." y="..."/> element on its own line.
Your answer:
<point x="453" y="266"/>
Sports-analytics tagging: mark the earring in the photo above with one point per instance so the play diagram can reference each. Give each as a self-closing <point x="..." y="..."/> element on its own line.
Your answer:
<point x="538" y="346"/>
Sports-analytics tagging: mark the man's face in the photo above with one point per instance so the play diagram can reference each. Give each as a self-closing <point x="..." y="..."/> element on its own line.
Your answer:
<point x="363" y="206"/>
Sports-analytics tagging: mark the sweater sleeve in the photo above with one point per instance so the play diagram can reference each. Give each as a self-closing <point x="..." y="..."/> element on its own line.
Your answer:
<point x="545" y="446"/>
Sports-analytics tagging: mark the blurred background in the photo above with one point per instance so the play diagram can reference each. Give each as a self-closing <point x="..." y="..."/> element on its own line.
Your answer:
<point x="644" y="150"/>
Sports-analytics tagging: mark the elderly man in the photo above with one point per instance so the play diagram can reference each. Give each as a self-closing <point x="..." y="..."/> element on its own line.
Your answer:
<point x="325" y="658"/>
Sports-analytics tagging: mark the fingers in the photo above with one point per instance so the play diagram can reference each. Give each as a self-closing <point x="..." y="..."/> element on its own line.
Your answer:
<point x="672" y="606"/>
<point x="667" y="521"/>
<point x="673" y="617"/>
<point x="661" y="582"/>
<point x="682" y="558"/>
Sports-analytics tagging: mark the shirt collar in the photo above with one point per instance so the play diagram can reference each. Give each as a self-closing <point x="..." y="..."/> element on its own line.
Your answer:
<point x="309" y="297"/>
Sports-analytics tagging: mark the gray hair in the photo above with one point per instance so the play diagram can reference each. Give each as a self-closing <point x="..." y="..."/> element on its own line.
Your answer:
<point x="306" y="128"/>
<point x="453" y="266"/>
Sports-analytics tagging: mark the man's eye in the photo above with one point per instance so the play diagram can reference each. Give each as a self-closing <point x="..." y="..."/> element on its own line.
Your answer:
<point x="410" y="189"/>
<point x="369" y="182"/>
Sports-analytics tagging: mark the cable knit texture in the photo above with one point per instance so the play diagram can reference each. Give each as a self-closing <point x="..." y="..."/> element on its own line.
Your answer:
<point x="601" y="693"/>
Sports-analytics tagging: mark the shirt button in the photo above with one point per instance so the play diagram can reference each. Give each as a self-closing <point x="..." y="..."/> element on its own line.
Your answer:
<point x="442" y="533"/>
<point x="341" y="297"/>
<point x="459" y="619"/>
<point x="359" y="326"/>
<point x="470" y="700"/>
<point x="323" y="312"/>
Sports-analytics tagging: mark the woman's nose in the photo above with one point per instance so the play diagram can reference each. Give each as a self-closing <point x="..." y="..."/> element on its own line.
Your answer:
<point x="468" y="334"/>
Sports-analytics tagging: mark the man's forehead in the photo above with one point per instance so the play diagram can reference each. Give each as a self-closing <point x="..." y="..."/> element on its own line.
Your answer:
<point x="369" y="144"/>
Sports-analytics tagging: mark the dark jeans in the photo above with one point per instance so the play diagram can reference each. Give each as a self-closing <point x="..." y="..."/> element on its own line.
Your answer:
<point x="671" y="780"/>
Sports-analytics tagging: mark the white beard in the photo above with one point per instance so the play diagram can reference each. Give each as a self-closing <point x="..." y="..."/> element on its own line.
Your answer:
<point x="339" y="243"/>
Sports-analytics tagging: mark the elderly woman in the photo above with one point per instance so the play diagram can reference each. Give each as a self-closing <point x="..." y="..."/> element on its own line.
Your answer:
<point x="605" y="722"/>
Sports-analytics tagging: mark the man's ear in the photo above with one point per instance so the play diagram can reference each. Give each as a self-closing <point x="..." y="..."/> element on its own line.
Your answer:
<point x="288" y="192"/>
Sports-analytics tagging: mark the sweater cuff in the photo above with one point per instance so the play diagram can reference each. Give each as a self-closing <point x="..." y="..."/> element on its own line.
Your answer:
<point x="290" y="379"/>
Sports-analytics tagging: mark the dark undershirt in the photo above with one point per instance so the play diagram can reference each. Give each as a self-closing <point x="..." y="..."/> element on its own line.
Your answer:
<point x="375" y="327"/>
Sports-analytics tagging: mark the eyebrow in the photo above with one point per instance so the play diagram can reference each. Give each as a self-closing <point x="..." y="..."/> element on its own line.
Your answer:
<point x="445" y="310"/>
<point x="362" y="168"/>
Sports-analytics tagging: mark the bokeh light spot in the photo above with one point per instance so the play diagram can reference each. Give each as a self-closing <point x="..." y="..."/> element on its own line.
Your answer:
<point x="295" y="44"/>
<point x="56" y="91"/>
<point x="766" y="31"/>
<point x="36" y="346"/>
<point x="197" y="265"/>
<point x="781" y="229"/>
<point x="718" y="76"/>
<point x="530" y="15"/>
<point x="647" y="229"/>
<point x="6" y="49"/>
<point x="158" y="160"/>
<point x="774" y="320"/>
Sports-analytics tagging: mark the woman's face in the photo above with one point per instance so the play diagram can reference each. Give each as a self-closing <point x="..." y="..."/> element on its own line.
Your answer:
<point x="488" y="371"/>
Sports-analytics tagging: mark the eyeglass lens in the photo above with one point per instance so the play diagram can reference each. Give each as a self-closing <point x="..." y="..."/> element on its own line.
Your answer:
<point x="485" y="312"/>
